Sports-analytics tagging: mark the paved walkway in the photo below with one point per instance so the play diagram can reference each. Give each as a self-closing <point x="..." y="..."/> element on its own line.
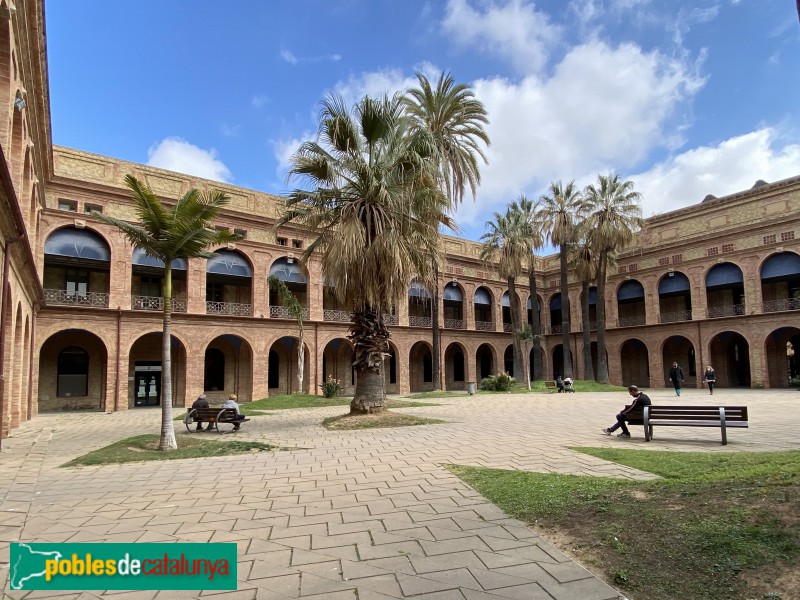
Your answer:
<point x="371" y="515"/>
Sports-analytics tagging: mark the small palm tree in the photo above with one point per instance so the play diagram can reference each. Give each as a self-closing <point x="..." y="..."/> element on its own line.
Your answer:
<point x="505" y="243"/>
<point x="526" y="336"/>
<point x="296" y="310"/>
<point x="455" y="119"/>
<point x="615" y="215"/>
<point x="183" y="232"/>
<point x="558" y="213"/>
<point x="533" y="233"/>
<point x="373" y="204"/>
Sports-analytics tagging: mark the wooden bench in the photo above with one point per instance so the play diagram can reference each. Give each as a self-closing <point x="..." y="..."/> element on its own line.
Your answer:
<point x="689" y="416"/>
<point x="550" y="385"/>
<point x="216" y="416"/>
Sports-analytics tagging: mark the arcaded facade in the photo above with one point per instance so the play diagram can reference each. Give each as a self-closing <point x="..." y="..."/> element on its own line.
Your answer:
<point x="715" y="283"/>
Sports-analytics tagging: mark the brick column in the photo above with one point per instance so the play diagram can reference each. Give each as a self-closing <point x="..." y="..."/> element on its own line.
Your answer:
<point x="196" y="286"/>
<point x="469" y="306"/>
<point x="314" y="291"/>
<point x="752" y="286"/>
<point x="260" y="300"/>
<point x="119" y="284"/>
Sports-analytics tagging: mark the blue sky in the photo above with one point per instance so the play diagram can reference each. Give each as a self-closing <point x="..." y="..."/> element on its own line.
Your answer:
<point x="684" y="97"/>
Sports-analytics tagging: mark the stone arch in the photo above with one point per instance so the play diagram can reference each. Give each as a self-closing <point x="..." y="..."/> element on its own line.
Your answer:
<point x="779" y="275"/>
<point x="730" y="358"/>
<point x="630" y="304"/>
<point x="483" y="307"/>
<point x="145" y="376"/>
<point x="555" y="305"/>
<point x="17" y="364"/>
<point x="453" y="299"/>
<point x="508" y="360"/>
<point x="420" y="367"/>
<point x="63" y="391"/>
<point x="77" y="267"/>
<point x="27" y="399"/>
<point x="337" y="363"/>
<point x="229" y="283"/>
<point x="419" y="304"/>
<point x="391" y="370"/>
<point x="724" y="283"/>
<point x="485" y="361"/>
<point x="674" y="298"/>
<point x="455" y="367"/>
<point x="782" y="351"/>
<point x="294" y="274"/>
<point x="228" y="368"/>
<point x="635" y="362"/>
<point x="557" y="355"/>
<point x="680" y="349"/>
<point x="282" y="366"/>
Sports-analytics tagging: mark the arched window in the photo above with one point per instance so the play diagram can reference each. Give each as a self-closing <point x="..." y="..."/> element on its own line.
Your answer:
<point x="427" y="367"/>
<point x="73" y="372"/>
<point x="274" y="371"/>
<point x="214" y="378"/>
<point x="458" y="366"/>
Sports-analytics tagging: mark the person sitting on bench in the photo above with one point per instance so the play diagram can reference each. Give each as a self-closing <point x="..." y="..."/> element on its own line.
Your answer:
<point x="559" y="384"/>
<point x="231" y="403"/>
<point x="201" y="402"/>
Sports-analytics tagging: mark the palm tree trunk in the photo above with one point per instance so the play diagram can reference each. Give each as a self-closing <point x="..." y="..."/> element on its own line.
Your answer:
<point x="437" y="348"/>
<point x="565" y="315"/>
<point x="513" y="303"/>
<point x="588" y="369"/>
<point x="167" y="441"/>
<point x="536" y="328"/>
<point x="370" y="339"/>
<point x="602" y="363"/>
<point x="301" y="359"/>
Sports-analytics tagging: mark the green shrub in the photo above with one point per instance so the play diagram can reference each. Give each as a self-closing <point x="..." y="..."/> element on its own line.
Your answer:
<point x="331" y="388"/>
<point x="501" y="382"/>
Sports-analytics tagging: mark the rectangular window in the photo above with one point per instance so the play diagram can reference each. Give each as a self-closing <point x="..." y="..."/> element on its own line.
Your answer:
<point x="297" y="243"/>
<point x="727" y="247"/>
<point x="663" y="261"/>
<point x="712" y="251"/>
<point x="150" y="286"/>
<point x="676" y="258"/>
<point x="90" y="208"/>
<point x="241" y="233"/>
<point x="282" y="241"/>
<point x="622" y="269"/>
<point x="67" y="205"/>
<point x="770" y="239"/>
<point x="77" y="282"/>
<point x="633" y="267"/>
<point x="787" y="235"/>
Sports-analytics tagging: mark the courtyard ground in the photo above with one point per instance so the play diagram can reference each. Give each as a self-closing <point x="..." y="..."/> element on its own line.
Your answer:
<point x="370" y="511"/>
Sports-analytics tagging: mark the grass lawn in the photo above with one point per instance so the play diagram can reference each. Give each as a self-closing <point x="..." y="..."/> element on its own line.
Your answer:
<point x="537" y="387"/>
<point x="145" y="447"/>
<point x="376" y="420"/>
<point x="719" y="526"/>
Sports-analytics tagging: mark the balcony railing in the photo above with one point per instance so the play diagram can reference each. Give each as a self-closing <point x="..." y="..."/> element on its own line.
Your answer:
<point x="634" y="321"/>
<point x="156" y="303"/>
<point x="731" y="310"/>
<point x="454" y="323"/>
<point x="675" y="317"/>
<point x="390" y="319"/>
<point x="282" y="312"/>
<point x="419" y="321"/>
<point x="484" y="326"/>
<point x="229" y="308"/>
<point x="63" y="297"/>
<point x="556" y="329"/>
<point x="342" y="316"/>
<point x="507" y="327"/>
<point x="781" y="305"/>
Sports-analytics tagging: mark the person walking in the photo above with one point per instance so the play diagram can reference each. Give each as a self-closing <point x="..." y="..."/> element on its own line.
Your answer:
<point x="676" y="377"/>
<point x="710" y="379"/>
<point x="639" y="399"/>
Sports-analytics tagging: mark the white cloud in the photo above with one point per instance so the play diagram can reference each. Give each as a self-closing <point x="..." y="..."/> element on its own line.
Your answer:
<point x="377" y="83"/>
<point x="515" y="31"/>
<point x="732" y="166"/>
<point x="259" y="100"/>
<point x="284" y="149"/>
<point x="176" y="154"/>
<point x="290" y="57"/>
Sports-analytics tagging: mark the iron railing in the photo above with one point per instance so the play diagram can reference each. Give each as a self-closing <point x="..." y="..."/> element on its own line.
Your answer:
<point x="730" y="310"/>
<point x="484" y="326"/>
<point x="675" y="317"/>
<point x="156" y="303"/>
<point x="419" y="321"/>
<point x="342" y="316"/>
<point x="229" y="308"/>
<point x="63" y="297"/>
<point x="556" y="329"/>
<point x="454" y="323"/>
<point x="282" y="312"/>
<point x="781" y="305"/>
<point x="507" y="327"/>
<point x="390" y="319"/>
<point x="634" y="321"/>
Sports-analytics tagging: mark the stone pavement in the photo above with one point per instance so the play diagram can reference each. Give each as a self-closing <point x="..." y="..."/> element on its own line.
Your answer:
<point x="371" y="515"/>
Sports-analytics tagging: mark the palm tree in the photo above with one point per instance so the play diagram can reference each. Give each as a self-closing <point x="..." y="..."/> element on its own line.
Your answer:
<point x="558" y="213"/>
<point x="615" y="217"/>
<point x="505" y="244"/>
<point x="373" y="205"/>
<point x="295" y="309"/>
<point x="529" y="214"/>
<point x="525" y="335"/>
<point x="181" y="233"/>
<point x="584" y="263"/>
<point x="454" y="118"/>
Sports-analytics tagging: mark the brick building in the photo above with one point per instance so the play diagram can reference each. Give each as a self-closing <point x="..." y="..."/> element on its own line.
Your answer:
<point x="714" y="283"/>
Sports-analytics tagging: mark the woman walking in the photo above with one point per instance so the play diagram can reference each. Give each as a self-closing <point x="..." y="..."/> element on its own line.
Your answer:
<point x="710" y="379"/>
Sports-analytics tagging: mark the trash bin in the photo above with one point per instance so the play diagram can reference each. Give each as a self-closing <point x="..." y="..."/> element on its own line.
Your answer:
<point x="471" y="388"/>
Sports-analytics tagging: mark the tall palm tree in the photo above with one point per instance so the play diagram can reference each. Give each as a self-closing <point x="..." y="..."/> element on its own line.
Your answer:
<point x="296" y="310"/>
<point x="183" y="232"/>
<point x="455" y="119"/>
<point x="615" y="215"/>
<point x="533" y="233"/>
<point x="558" y="213"/>
<point x="373" y="204"/>
<point x="505" y="243"/>
<point x="584" y="263"/>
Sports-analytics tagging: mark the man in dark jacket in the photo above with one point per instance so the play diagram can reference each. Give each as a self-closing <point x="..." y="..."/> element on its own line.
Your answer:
<point x="676" y="377"/>
<point x="639" y="399"/>
<point x="201" y="402"/>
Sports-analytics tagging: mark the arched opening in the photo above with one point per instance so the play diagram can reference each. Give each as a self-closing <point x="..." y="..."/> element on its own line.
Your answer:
<point x="635" y="362"/>
<point x="419" y="305"/>
<point x="680" y="350"/>
<point x="484" y="361"/>
<point x="390" y="370"/>
<point x="229" y="284"/>
<point x="295" y="277"/>
<point x="508" y="360"/>
<point x="228" y="369"/>
<point x="674" y="298"/>
<point x="282" y="369"/>
<point x="455" y="367"/>
<point x="337" y="363"/>
<point x="725" y="291"/>
<point x="508" y="326"/>
<point x="145" y="376"/>
<point x="730" y="358"/>
<point x="147" y="280"/>
<point x="453" y="301"/>
<point x="555" y="317"/>
<point x="76" y="268"/>
<point x="332" y="308"/>
<point x="482" y="302"/>
<point x="72" y="372"/>
<point x="17" y="376"/>
<point x="780" y="282"/>
<point x="558" y="360"/>
<point x="538" y="310"/>
<point x="420" y="366"/>
<point x="630" y="304"/>
<point x="783" y="352"/>
<point x="26" y="401"/>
